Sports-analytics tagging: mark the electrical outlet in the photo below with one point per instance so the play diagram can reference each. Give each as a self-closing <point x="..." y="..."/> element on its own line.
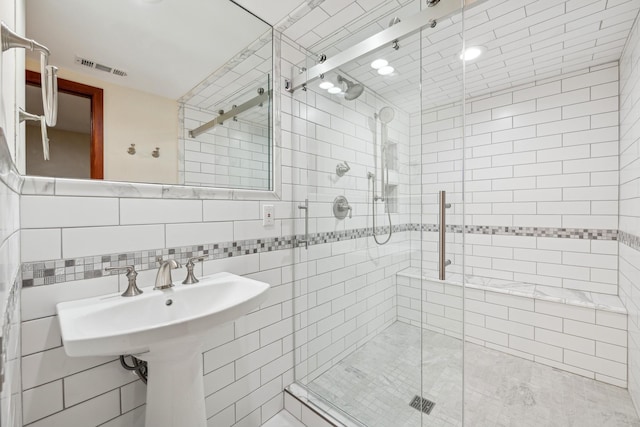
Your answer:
<point x="268" y="215"/>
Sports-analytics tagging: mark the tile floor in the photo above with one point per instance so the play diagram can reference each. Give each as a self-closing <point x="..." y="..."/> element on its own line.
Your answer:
<point x="376" y="383"/>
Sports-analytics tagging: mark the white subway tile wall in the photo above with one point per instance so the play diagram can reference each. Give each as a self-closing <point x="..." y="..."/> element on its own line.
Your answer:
<point x="535" y="156"/>
<point x="246" y="383"/>
<point x="629" y="262"/>
<point x="233" y="156"/>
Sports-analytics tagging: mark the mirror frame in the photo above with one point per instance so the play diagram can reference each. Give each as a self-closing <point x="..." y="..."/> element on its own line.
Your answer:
<point x="37" y="185"/>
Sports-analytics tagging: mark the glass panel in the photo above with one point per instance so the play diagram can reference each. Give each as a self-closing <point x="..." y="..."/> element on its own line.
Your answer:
<point x="362" y="308"/>
<point x="439" y="179"/>
<point x="365" y="366"/>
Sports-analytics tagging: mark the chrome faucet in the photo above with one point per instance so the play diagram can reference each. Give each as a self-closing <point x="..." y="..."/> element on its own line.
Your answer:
<point x="163" y="279"/>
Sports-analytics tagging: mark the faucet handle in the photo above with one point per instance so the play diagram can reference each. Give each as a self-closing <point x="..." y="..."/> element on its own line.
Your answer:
<point x="341" y="208"/>
<point x="132" y="289"/>
<point x="195" y="259"/>
<point x="191" y="278"/>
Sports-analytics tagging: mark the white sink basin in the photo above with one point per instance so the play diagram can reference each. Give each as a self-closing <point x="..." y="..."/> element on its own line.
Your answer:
<point x="113" y="325"/>
<point x="165" y="328"/>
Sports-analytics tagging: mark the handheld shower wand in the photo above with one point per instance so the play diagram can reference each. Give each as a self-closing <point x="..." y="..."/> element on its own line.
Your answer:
<point x="48" y="73"/>
<point x="385" y="116"/>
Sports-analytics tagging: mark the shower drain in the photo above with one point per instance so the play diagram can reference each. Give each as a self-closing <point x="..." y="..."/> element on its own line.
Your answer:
<point x="422" y="404"/>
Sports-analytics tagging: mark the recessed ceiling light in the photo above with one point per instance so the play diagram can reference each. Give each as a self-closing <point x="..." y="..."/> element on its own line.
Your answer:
<point x="379" y="63"/>
<point x="386" y="70"/>
<point x="472" y="52"/>
<point x="334" y="90"/>
<point x="325" y="85"/>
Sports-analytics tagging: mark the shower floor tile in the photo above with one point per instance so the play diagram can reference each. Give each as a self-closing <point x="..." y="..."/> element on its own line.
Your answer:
<point x="376" y="383"/>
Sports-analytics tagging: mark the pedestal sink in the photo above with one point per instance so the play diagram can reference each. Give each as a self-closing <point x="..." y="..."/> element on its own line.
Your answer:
<point x="164" y="328"/>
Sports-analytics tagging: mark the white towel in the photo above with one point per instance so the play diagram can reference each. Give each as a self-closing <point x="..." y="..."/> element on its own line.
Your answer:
<point x="45" y="138"/>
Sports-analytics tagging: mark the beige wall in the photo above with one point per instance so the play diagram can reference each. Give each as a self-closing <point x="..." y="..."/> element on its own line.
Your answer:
<point x="69" y="153"/>
<point x="134" y="117"/>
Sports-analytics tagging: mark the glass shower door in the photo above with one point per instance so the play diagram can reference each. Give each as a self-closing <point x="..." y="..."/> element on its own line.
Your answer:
<point x="440" y="151"/>
<point x="367" y="347"/>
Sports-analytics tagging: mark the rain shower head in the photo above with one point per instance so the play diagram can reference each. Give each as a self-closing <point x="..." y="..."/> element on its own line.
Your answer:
<point x="353" y="90"/>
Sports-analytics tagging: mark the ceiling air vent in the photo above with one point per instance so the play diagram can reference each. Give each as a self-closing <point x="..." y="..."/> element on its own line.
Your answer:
<point x="100" y="67"/>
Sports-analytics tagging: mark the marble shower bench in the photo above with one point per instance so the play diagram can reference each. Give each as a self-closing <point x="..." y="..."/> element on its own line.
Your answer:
<point x="580" y="332"/>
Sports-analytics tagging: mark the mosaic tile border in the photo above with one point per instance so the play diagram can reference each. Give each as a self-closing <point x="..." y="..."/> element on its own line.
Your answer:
<point x="560" y="233"/>
<point x="629" y="239"/>
<point x="67" y="270"/>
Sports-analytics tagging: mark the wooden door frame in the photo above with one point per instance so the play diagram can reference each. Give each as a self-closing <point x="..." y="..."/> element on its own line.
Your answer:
<point x="96" y="97"/>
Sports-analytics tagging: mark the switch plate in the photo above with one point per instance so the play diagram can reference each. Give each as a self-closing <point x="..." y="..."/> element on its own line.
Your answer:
<point x="268" y="215"/>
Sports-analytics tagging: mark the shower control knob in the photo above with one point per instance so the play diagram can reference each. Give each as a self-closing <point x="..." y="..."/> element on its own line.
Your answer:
<point x="341" y="207"/>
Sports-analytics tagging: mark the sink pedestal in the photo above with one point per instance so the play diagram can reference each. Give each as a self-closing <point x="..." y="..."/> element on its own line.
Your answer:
<point x="175" y="390"/>
<point x="165" y="328"/>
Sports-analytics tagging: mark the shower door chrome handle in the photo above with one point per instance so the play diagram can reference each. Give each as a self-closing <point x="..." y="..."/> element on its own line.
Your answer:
<point x="442" y="233"/>
<point x="306" y="223"/>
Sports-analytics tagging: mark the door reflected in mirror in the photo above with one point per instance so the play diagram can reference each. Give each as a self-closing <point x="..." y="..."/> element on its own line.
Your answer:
<point x="165" y="69"/>
<point x="77" y="136"/>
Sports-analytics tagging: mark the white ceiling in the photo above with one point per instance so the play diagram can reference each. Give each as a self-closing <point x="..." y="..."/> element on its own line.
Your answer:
<point x="526" y="40"/>
<point x="272" y="11"/>
<point x="165" y="47"/>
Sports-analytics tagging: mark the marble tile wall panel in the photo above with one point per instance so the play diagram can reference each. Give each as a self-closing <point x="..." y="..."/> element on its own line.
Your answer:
<point x="10" y="284"/>
<point x="629" y="267"/>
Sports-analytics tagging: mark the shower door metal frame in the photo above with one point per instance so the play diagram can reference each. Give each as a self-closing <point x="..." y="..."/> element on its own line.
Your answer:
<point x="426" y="18"/>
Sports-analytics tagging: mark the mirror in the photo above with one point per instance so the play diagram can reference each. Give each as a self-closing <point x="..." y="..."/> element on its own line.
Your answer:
<point x="186" y="92"/>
